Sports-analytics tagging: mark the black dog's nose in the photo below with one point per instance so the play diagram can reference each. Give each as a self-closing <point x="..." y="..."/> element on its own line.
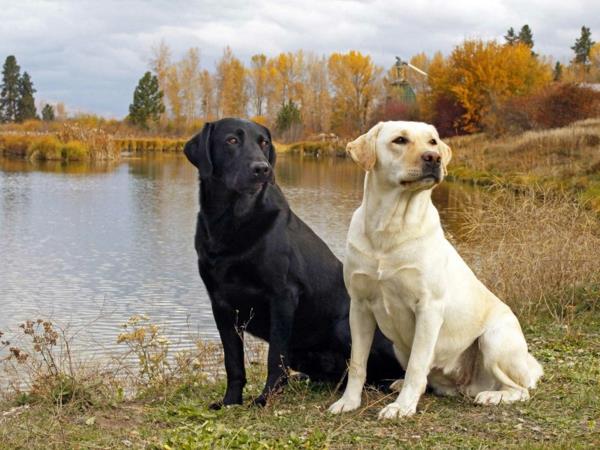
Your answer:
<point x="432" y="158"/>
<point x="260" y="169"/>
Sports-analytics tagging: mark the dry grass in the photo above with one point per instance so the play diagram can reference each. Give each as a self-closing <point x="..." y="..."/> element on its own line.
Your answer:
<point x="560" y="152"/>
<point x="538" y="250"/>
<point x="149" y="144"/>
<point x="563" y="159"/>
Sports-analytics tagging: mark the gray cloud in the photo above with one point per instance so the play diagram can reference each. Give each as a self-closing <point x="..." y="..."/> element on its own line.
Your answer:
<point x="91" y="54"/>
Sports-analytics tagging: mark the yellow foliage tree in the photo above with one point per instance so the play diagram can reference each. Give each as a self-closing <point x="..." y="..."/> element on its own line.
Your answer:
<point x="286" y="75"/>
<point x="231" y="85"/>
<point x="480" y="75"/>
<point x="260" y="88"/>
<point x="354" y="79"/>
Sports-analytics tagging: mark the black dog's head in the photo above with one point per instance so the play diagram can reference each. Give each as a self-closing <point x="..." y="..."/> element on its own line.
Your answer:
<point x="236" y="151"/>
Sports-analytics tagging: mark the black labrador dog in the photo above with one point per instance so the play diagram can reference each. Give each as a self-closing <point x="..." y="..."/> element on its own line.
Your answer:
<point x="266" y="271"/>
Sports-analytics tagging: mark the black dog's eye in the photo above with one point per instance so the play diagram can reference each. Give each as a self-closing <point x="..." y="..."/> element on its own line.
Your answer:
<point x="263" y="143"/>
<point x="400" y="140"/>
<point x="433" y="142"/>
<point x="232" y="140"/>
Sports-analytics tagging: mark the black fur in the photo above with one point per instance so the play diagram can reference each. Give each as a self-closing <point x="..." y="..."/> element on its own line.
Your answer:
<point x="265" y="270"/>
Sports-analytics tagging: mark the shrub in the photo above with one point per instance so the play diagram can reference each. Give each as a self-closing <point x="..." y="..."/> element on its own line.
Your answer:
<point x="45" y="148"/>
<point x="555" y="106"/>
<point x="74" y="151"/>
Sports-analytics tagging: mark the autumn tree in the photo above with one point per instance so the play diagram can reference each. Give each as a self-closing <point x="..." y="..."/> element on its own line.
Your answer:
<point x="595" y="63"/>
<point x="9" y="90"/>
<point x="26" y="105"/>
<point x="286" y="72"/>
<point x="48" y="113"/>
<point x="231" y="85"/>
<point x="160" y="64"/>
<point x="480" y="75"/>
<point x="208" y="106"/>
<point x="147" y="101"/>
<point x="316" y="102"/>
<point x="258" y="80"/>
<point x="353" y="77"/>
<point x="189" y="82"/>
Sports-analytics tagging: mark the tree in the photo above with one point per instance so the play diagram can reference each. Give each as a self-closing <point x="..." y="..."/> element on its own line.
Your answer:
<point x="557" y="72"/>
<point x="48" y="113"/>
<point x="316" y="101"/>
<point x="26" y="107"/>
<point x="526" y="36"/>
<point x="207" y="101"/>
<point x="189" y="69"/>
<point x="510" y="37"/>
<point x="9" y="94"/>
<point x="147" y="101"/>
<point x="231" y="85"/>
<point x="479" y="75"/>
<point x="582" y="47"/>
<point x="353" y="77"/>
<point x="289" y="121"/>
<point x="258" y="75"/>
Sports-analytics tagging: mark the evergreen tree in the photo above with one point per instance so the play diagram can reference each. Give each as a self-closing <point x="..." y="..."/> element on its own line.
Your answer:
<point x="510" y="37"/>
<point x="582" y="46"/>
<point x="9" y="93"/>
<point x="526" y="36"/>
<point x="147" y="101"/>
<point x="48" y="113"/>
<point x="288" y="116"/>
<point x="26" y="107"/>
<point x="557" y="72"/>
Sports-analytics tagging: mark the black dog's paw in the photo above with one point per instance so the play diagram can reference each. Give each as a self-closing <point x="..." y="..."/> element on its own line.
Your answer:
<point x="215" y="406"/>
<point x="260" y="401"/>
<point x="224" y="403"/>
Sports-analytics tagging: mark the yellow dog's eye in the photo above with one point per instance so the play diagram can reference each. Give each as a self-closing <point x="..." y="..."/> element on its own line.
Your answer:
<point x="400" y="140"/>
<point x="232" y="141"/>
<point x="433" y="142"/>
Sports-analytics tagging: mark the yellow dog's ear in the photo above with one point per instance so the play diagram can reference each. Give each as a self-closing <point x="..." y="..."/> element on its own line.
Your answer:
<point x="362" y="149"/>
<point x="446" y="153"/>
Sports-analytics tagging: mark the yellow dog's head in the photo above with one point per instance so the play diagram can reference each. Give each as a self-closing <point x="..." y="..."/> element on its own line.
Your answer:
<point x="410" y="155"/>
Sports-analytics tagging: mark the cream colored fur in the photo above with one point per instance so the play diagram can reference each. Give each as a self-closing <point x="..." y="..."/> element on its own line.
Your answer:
<point x="402" y="274"/>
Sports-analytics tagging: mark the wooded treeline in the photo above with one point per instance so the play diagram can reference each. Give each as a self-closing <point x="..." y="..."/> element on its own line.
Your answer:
<point x="301" y="94"/>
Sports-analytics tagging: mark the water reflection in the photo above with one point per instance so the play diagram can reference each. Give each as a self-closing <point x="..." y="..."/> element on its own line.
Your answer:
<point x="92" y="250"/>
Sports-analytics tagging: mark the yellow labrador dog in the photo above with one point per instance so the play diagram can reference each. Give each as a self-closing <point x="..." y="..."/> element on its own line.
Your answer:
<point x="402" y="274"/>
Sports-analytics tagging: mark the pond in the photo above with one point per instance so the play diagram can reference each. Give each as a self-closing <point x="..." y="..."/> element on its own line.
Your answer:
<point x="90" y="246"/>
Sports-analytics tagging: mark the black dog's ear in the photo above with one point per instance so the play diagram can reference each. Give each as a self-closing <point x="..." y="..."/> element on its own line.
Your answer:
<point x="197" y="151"/>
<point x="272" y="152"/>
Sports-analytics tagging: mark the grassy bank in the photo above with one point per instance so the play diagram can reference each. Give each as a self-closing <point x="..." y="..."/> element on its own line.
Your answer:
<point x="563" y="412"/>
<point x="562" y="159"/>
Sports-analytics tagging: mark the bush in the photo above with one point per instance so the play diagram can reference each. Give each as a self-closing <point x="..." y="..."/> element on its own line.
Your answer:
<point x="45" y="148"/>
<point x="74" y="151"/>
<point x="555" y="106"/>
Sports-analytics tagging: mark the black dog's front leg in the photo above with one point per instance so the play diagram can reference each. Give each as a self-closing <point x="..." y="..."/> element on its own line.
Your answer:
<point x="282" y="313"/>
<point x="233" y="347"/>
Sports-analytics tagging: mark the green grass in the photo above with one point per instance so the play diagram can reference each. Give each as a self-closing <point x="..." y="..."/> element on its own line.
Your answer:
<point x="563" y="412"/>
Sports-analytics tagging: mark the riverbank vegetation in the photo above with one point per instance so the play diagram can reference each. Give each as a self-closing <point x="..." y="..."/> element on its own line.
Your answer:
<point x="70" y="142"/>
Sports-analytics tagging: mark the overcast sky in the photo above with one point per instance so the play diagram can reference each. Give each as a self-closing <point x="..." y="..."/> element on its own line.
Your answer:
<point x="90" y="54"/>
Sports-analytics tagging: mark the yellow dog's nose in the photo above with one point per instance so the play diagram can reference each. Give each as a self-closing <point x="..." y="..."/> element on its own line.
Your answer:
<point x="432" y="158"/>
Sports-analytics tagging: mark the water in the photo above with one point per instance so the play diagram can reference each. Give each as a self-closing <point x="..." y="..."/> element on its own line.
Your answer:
<point x="89" y="247"/>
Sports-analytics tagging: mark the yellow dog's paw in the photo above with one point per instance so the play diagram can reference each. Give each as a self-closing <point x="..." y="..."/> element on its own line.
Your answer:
<point x="344" y="405"/>
<point x="394" y="411"/>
